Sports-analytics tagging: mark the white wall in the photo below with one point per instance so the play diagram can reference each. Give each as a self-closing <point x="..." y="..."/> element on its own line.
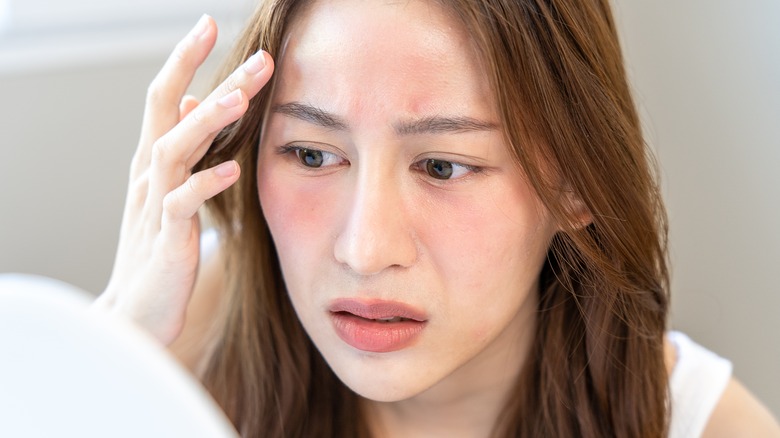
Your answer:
<point x="707" y="75"/>
<point x="71" y="102"/>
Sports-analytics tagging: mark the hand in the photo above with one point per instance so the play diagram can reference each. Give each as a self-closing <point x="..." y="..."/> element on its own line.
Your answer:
<point x="157" y="258"/>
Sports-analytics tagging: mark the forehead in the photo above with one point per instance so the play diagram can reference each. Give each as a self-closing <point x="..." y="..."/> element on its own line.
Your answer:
<point x="411" y="57"/>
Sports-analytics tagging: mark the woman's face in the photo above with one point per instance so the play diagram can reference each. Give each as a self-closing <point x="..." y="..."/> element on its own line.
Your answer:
<point x="409" y="242"/>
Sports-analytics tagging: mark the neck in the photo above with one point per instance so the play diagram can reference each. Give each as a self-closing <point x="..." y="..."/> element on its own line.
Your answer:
<point x="468" y="402"/>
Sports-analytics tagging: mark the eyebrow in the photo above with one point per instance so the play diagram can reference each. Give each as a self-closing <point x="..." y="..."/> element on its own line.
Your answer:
<point x="311" y="114"/>
<point x="442" y="125"/>
<point x="425" y="125"/>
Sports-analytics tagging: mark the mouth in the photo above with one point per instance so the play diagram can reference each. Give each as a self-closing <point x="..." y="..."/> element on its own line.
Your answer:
<point x="387" y="320"/>
<point x="377" y="326"/>
<point x="378" y="310"/>
<point x="390" y="320"/>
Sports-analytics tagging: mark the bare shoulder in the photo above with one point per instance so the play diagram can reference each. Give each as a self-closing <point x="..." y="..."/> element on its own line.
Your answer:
<point x="739" y="413"/>
<point x="199" y="332"/>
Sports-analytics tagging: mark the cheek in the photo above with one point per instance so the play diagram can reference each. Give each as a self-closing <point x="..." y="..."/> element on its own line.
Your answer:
<point x="498" y="239"/>
<point x="491" y="254"/>
<point x="295" y="212"/>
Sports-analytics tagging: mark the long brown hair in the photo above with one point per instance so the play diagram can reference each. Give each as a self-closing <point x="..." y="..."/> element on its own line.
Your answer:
<point x="596" y="368"/>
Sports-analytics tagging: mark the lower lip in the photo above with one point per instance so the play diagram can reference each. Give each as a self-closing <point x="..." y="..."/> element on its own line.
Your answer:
<point x="376" y="337"/>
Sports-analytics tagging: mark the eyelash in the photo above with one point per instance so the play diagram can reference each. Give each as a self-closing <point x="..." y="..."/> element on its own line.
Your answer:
<point x="429" y="164"/>
<point x="426" y="166"/>
<point x="297" y="151"/>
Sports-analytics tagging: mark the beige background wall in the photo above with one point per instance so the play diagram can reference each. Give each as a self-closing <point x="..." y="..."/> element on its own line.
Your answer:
<point x="707" y="78"/>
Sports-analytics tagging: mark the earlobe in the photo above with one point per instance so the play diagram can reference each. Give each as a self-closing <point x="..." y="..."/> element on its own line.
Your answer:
<point x="578" y="214"/>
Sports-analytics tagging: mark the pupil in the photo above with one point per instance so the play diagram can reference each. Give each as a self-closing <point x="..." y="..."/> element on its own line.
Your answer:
<point x="310" y="158"/>
<point x="439" y="169"/>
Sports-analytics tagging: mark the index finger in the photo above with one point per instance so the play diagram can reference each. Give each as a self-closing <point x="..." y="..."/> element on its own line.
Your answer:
<point x="169" y="86"/>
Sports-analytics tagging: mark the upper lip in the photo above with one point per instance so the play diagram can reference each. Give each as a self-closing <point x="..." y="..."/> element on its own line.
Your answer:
<point x="377" y="309"/>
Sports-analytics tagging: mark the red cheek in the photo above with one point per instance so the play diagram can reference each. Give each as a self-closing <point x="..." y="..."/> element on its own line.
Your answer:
<point x="295" y="210"/>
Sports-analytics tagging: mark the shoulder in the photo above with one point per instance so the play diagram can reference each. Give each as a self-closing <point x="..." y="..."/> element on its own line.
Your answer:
<point x="199" y="334"/>
<point x="739" y="413"/>
<point x="706" y="400"/>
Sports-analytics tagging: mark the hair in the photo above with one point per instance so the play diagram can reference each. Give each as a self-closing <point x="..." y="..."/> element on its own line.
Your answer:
<point x="596" y="367"/>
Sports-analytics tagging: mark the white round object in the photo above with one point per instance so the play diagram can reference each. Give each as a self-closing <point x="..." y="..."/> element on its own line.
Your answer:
<point x="70" y="371"/>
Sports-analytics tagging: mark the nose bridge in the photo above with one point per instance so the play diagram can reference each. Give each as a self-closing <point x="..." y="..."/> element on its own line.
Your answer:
<point x="377" y="233"/>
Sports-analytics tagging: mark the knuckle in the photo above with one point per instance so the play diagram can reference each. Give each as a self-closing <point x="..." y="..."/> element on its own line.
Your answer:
<point x="161" y="150"/>
<point x="154" y="92"/>
<point x="172" y="204"/>
<point x="137" y="190"/>
<point x="198" y="116"/>
<point x="194" y="185"/>
<point x="136" y="164"/>
<point x="179" y="58"/>
<point x="230" y="84"/>
<point x="179" y="53"/>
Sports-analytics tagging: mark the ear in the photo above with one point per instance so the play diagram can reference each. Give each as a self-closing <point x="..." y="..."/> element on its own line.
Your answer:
<point x="578" y="214"/>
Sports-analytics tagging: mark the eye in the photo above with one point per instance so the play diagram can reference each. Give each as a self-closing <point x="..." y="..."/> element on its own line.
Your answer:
<point x="441" y="169"/>
<point x="313" y="158"/>
<point x="310" y="157"/>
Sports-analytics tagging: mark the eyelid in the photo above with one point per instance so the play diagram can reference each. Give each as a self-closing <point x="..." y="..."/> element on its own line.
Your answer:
<point x="471" y="169"/>
<point x="469" y="160"/>
<point x="295" y="148"/>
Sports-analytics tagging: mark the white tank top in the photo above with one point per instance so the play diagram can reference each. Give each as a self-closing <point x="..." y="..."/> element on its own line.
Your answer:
<point x="697" y="383"/>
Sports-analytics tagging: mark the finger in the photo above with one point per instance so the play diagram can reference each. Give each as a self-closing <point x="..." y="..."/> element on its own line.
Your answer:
<point x="243" y="79"/>
<point x="170" y="163"/>
<point x="175" y="153"/>
<point x="250" y="77"/>
<point x="204" y="121"/>
<point x="200" y="151"/>
<point x="167" y="88"/>
<point x="182" y="204"/>
<point x="187" y="104"/>
<point x="201" y="122"/>
<point x="253" y="74"/>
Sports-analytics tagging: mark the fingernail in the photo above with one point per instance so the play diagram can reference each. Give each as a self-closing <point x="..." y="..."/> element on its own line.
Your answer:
<point x="228" y="168"/>
<point x="255" y="64"/>
<point x="201" y="27"/>
<point x="234" y="98"/>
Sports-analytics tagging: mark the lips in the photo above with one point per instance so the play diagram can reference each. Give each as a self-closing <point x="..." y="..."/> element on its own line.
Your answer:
<point x="376" y="326"/>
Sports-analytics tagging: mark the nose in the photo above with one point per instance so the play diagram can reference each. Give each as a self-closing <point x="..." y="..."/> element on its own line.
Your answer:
<point x="377" y="232"/>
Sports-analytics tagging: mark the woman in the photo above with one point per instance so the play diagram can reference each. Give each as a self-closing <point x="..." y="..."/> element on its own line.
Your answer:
<point x="447" y="226"/>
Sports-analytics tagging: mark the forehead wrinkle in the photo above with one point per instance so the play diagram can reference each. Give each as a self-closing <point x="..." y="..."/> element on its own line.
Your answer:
<point x="312" y="114"/>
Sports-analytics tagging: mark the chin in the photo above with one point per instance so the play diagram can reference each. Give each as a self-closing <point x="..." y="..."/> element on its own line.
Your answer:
<point x="388" y="392"/>
<point x="381" y="382"/>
